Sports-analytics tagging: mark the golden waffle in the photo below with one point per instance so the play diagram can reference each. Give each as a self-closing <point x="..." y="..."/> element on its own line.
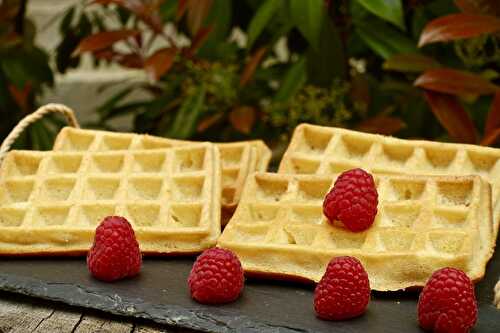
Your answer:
<point x="423" y="223"/>
<point x="328" y="150"/>
<point x="51" y="202"/>
<point x="238" y="159"/>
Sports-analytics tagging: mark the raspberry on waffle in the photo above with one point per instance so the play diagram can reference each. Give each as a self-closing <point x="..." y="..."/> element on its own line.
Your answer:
<point x="423" y="223"/>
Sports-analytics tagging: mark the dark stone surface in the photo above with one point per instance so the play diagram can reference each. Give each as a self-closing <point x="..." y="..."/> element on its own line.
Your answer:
<point x="160" y="294"/>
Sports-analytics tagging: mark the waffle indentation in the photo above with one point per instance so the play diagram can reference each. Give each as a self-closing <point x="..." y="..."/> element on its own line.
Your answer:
<point x="440" y="158"/>
<point x="185" y="215"/>
<point x="148" y="162"/>
<point x="483" y="163"/>
<point x="52" y="215"/>
<point x="229" y="177"/>
<point x="92" y="215"/>
<point x="339" y="167"/>
<point x="406" y="190"/>
<point x="78" y="141"/>
<point x="263" y="212"/>
<point x="343" y="239"/>
<point x="400" y="215"/>
<point x="11" y="217"/>
<point x="143" y="215"/>
<point x="101" y="188"/>
<point x="304" y="166"/>
<point x="313" y="189"/>
<point x="449" y="218"/>
<point x="24" y="165"/>
<point x="300" y="235"/>
<point x="396" y="240"/>
<point x="315" y="142"/>
<point x="107" y="163"/>
<point x="143" y="188"/>
<point x="64" y="164"/>
<point x="154" y="143"/>
<point x="231" y="156"/>
<point x="57" y="189"/>
<point x="455" y="194"/>
<point x="269" y="189"/>
<point x="355" y="147"/>
<point x="307" y="214"/>
<point x="115" y="142"/>
<point x="397" y="154"/>
<point x="189" y="160"/>
<point x="18" y="191"/>
<point x="186" y="188"/>
<point x="448" y="243"/>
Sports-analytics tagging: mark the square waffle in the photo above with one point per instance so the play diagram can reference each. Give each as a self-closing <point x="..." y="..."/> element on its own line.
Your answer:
<point x="328" y="150"/>
<point x="51" y="202"/>
<point x="423" y="223"/>
<point x="238" y="159"/>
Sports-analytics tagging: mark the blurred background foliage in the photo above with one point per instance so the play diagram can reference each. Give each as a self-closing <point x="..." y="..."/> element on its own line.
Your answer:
<point x="225" y="70"/>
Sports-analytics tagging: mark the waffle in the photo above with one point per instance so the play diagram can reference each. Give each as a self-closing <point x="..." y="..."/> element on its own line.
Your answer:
<point x="238" y="159"/>
<point x="423" y="223"/>
<point x="327" y="150"/>
<point x="51" y="202"/>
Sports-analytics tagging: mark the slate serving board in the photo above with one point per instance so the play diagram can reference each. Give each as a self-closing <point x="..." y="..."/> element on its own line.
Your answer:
<point x="160" y="294"/>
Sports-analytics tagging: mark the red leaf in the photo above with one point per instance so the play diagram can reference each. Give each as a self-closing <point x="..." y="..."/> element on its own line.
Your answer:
<point x="160" y="62"/>
<point x="493" y="120"/>
<point x="181" y="9"/>
<point x="251" y="66"/>
<point x="455" y="82"/>
<point x="197" y="11"/>
<point x="242" y="118"/>
<point x="491" y="138"/>
<point x="452" y="116"/>
<point x="208" y="122"/>
<point x="410" y="62"/>
<point x="130" y="60"/>
<point x="102" y="40"/>
<point x="487" y="7"/>
<point x="360" y="90"/>
<point x="21" y="95"/>
<point x="382" y="125"/>
<point x="458" y="26"/>
<point x="198" y="41"/>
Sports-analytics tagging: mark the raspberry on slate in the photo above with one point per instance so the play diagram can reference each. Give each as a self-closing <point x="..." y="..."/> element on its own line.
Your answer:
<point x="353" y="200"/>
<point x="447" y="303"/>
<point x="216" y="277"/>
<point x="344" y="290"/>
<point x="115" y="253"/>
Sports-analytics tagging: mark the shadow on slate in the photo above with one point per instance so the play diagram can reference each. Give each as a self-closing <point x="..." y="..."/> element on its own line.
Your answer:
<point x="160" y="294"/>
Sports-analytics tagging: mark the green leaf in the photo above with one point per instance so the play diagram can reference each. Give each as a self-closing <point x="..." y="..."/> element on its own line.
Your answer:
<point x="184" y="124"/>
<point x="261" y="18"/>
<point x="410" y="62"/>
<point x="389" y="10"/>
<point x="219" y="17"/>
<point x="383" y="39"/>
<point x="118" y="111"/>
<point x="27" y="66"/>
<point x="308" y="17"/>
<point x="66" y="21"/>
<point x="329" y="62"/>
<point x="293" y="81"/>
<point x="105" y="109"/>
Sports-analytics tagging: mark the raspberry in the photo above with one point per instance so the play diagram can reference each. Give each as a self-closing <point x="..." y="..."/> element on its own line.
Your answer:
<point x="216" y="277"/>
<point x="115" y="253"/>
<point x="448" y="303"/>
<point x="353" y="200"/>
<point x="344" y="290"/>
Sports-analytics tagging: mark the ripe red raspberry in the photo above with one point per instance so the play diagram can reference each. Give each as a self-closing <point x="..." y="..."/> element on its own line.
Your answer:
<point x="353" y="200"/>
<point x="448" y="303"/>
<point x="115" y="253"/>
<point x="216" y="277"/>
<point x="344" y="290"/>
